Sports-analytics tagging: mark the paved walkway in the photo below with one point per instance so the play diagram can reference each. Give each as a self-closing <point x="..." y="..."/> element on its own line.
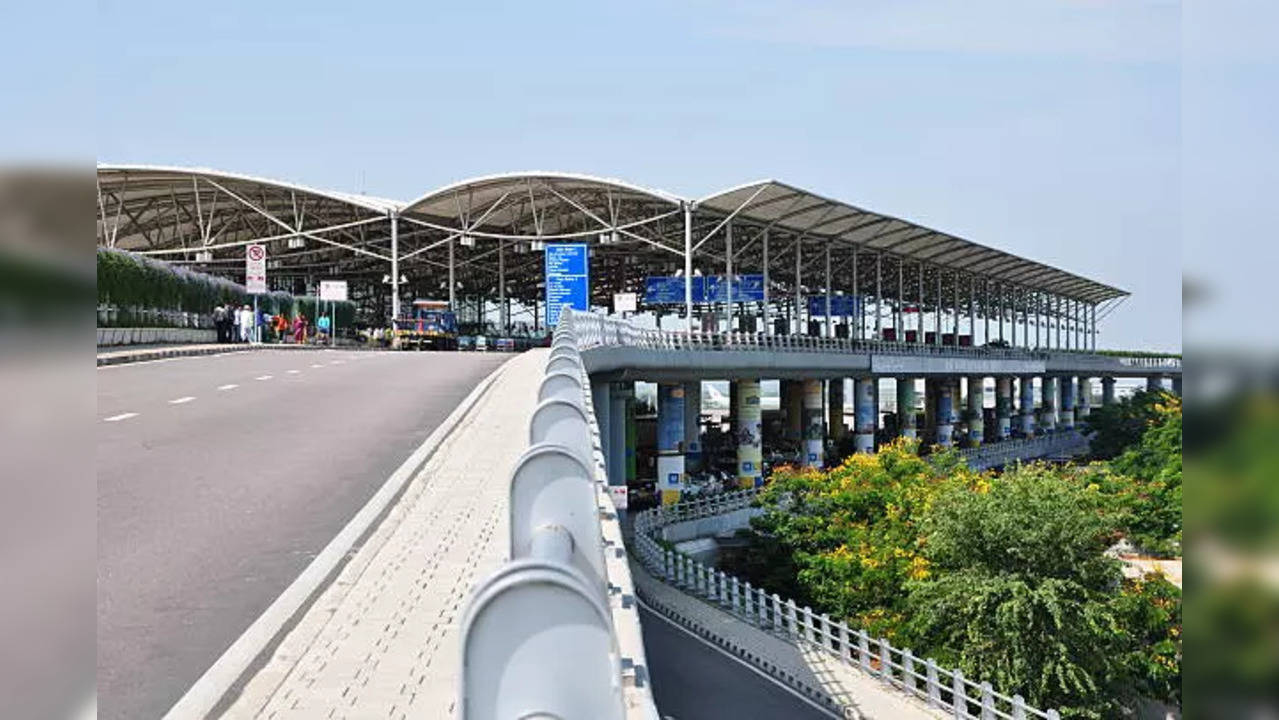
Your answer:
<point x="855" y="694"/>
<point x="382" y="640"/>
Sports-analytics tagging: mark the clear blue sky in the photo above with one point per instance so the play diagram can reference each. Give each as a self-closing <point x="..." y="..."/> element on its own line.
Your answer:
<point x="1050" y="129"/>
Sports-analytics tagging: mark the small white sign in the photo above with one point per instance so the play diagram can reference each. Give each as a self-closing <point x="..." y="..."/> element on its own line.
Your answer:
<point x="618" y="493"/>
<point x="625" y="302"/>
<point x="255" y="269"/>
<point x="333" y="290"/>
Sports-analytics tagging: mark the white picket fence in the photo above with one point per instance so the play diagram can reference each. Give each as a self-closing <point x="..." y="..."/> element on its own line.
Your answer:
<point x="938" y="687"/>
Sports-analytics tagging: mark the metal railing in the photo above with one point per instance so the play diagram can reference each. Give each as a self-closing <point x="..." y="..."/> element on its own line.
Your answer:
<point x="898" y="668"/>
<point x="600" y="331"/>
<point x="1005" y="451"/>
<point x="555" y="633"/>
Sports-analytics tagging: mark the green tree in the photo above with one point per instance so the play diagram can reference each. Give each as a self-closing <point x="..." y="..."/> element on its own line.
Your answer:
<point x="1022" y="595"/>
<point x="1120" y="425"/>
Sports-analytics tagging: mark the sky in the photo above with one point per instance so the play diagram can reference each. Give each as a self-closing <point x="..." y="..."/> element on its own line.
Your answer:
<point x="1051" y="129"/>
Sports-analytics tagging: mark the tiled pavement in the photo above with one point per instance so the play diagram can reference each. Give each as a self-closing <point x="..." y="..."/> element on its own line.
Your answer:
<point x="382" y="640"/>
<point x="827" y="679"/>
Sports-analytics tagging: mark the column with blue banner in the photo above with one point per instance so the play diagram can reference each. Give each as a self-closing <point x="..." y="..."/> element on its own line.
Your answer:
<point x="749" y="430"/>
<point x="670" y="441"/>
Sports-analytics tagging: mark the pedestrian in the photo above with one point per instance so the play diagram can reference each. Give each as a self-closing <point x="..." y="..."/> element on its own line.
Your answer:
<point x="299" y="329"/>
<point x="323" y="325"/>
<point x="219" y="322"/>
<point x="246" y="323"/>
<point x="281" y="326"/>
<point x="233" y="324"/>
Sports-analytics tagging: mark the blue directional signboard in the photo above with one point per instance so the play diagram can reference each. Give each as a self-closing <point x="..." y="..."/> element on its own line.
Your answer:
<point x="839" y="305"/>
<point x="568" y="279"/>
<point x="666" y="290"/>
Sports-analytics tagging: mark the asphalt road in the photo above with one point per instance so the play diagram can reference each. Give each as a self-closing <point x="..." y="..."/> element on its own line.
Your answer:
<point x="220" y="477"/>
<point x="695" y="681"/>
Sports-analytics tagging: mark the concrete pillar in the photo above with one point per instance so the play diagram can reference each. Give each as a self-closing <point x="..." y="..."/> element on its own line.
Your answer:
<point x="1048" y="408"/>
<point x="835" y="408"/>
<point x="976" y="401"/>
<point x="930" y="409"/>
<point x="906" y="407"/>
<point x="1154" y="383"/>
<point x="1107" y="391"/>
<point x="814" y="433"/>
<point x="791" y="402"/>
<point x="1176" y="385"/>
<point x="619" y="394"/>
<point x="632" y="439"/>
<point x="670" y="441"/>
<point x="603" y="404"/>
<point x="864" y="402"/>
<point x="945" y="399"/>
<point x="749" y="430"/>
<point x="1083" y="403"/>
<point x="1066" y="419"/>
<point x="1026" y="388"/>
<point x="1004" y="407"/>
<point x="692" y="427"/>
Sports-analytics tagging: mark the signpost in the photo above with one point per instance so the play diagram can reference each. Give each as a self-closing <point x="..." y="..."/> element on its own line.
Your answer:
<point x="568" y="282"/>
<point x="255" y="269"/>
<point x="334" y="291"/>
<point x="666" y="290"/>
<point x="255" y="279"/>
<point x="624" y="303"/>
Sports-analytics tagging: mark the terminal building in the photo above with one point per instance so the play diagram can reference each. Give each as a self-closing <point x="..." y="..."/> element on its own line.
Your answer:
<point x="764" y="281"/>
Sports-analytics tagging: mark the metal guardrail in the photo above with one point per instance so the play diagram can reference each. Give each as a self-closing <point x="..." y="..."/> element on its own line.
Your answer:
<point x="899" y="668"/>
<point x="599" y="331"/>
<point x="1005" y="451"/>
<point x="555" y="632"/>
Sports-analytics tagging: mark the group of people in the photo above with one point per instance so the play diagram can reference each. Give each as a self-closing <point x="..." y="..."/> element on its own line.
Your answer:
<point x="243" y="325"/>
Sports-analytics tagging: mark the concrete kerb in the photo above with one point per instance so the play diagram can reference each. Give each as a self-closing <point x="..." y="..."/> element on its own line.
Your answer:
<point x="221" y="682"/>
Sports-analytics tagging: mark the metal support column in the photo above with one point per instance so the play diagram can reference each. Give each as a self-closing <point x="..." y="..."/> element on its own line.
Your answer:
<point x="502" y="319"/>
<point x="395" y="265"/>
<point x="728" y="276"/>
<point x="768" y="323"/>
<point x="688" y="265"/>
<point x="452" y="278"/>
<point x="879" y="297"/>
<point x="799" y="315"/>
<point x="830" y="328"/>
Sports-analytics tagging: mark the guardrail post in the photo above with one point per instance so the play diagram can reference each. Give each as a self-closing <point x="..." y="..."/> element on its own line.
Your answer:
<point x="826" y="633"/>
<point x="735" y="601"/>
<point x="885" y="660"/>
<point x="778" y="623"/>
<point x="908" y="671"/>
<point x="792" y="618"/>
<point x="1019" y="708"/>
<point x="987" y="702"/>
<point x="959" y="701"/>
<point x="845" y="652"/>
<point x="1053" y="715"/>
<point x="931" y="684"/>
<point x="668" y="566"/>
<point x="863" y="650"/>
<point x="808" y="624"/>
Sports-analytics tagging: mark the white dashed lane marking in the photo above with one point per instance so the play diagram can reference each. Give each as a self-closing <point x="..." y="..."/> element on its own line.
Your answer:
<point x="316" y="365"/>
<point x="121" y="416"/>
<point x="264" y="377"/>
<point x="294" y="372"/>
<point x="229" y="386"/>
<point x="181" y="400"/>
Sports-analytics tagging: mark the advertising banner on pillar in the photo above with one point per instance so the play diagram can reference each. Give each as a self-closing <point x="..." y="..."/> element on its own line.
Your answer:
<point x="840" y="305"/>
<point x="568" y="282"/>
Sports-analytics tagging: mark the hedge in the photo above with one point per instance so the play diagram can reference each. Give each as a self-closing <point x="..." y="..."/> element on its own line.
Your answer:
<point x="149" y="292"/>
